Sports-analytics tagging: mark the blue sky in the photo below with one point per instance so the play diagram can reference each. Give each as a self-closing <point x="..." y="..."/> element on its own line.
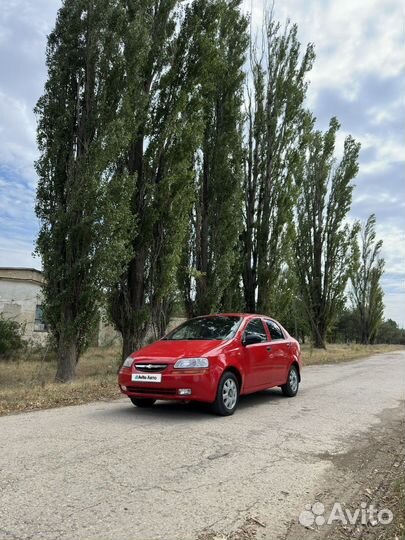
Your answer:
<point x="359" y="76"/>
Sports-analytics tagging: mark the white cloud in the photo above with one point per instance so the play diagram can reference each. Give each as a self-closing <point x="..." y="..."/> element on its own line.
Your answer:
<point x="352" y="39"/>
<point x="393" y="250"/>
<point x="393" y="281"/>
<point x="23" y="29"/>
<point x="388" y="150"/>
<point x="379" y="115"/>
<point x="395" y="308"/>
<point x="16" y="252"/>
<point x="385" y="198"/>
<point x="17" y="137"/>
<point x="355" y="41"/>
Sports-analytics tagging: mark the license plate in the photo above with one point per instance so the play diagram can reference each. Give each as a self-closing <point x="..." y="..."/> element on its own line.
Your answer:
<point x="147" y="377"/>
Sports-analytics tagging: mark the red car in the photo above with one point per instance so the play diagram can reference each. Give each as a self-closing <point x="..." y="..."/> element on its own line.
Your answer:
<point x="214" y="359"/>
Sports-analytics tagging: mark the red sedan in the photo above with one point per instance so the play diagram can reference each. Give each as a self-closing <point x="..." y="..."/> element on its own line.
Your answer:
<point x="215" y="359"/>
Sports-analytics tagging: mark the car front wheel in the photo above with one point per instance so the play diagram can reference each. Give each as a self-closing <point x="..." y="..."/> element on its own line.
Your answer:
<point x="142" y="402"/>
<point x="290" y="389"/>
<point x="227" y="395"/>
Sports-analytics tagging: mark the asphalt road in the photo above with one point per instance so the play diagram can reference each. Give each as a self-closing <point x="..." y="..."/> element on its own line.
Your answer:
<point x="108" y="471"/>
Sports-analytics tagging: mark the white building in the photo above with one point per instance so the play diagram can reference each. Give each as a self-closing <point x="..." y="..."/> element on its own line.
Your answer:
<point x="21" y="300"/>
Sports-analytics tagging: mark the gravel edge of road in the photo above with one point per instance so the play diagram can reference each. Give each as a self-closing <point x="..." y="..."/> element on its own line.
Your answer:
<point x="368" y="473"/>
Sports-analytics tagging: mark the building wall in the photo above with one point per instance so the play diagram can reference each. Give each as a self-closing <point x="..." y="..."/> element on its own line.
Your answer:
<point x="18" y="301"/>
<point x="20" y="294"/>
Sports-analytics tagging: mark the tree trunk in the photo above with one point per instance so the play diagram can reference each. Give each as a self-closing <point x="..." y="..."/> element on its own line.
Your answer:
<point x="130" y="343"/>
<point x="319" y="342"/>
<point x="319" y="336"/>
<point x="249" y="291"/>
<point x="67" y="360"/>
<point x="161" y="312"/>
<point x="201" y="301"/>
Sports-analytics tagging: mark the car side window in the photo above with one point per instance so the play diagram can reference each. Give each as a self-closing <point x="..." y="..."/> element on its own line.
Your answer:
<point x="275" y="330"/>
<point x="256" y="328"/>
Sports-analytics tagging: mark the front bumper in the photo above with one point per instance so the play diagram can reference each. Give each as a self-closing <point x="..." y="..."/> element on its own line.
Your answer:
<point x="201" y="382"/>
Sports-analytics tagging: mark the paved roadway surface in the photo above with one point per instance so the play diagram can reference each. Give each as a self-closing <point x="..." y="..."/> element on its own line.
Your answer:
<point x="109" y="471"/>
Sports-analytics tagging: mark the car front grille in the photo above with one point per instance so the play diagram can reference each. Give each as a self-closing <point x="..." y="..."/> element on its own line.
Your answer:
<point x="150" y="368"/>
<point x="155" y="391"/>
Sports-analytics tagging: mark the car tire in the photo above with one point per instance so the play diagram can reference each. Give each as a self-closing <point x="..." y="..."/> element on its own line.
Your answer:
<point x="142" y="402"/>
<point x="290" y="388"/>
<point x="227" y="395"/>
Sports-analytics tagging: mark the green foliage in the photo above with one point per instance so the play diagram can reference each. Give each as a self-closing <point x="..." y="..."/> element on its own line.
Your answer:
<point x="161" y="122"/>
<point x="324" y="240"/>
<point x="276" y="89"/>
<point x="389" y="332"/>
<point x="171" y="173"/>
<point x="287" y="306"/>
<point x="345" y="329"/>
<point x="11" y="333"/>
<point x="81" y="195"/>
<point x="219" y="42"/>
<point x="348" y="330"/>
<point x="367" y="294"/>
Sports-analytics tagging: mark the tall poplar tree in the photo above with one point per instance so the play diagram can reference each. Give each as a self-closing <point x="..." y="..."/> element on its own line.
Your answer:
<point x="367" y="294"/>
<point x="211" y="255"/>
<point x="81" y="200"/>
<point x="324" y="240"/>
<point x="276" y="89"/>
<point x="160" y="120"/>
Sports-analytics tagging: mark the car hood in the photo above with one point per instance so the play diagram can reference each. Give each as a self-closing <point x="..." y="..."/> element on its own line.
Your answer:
<point x="172" y="350"/>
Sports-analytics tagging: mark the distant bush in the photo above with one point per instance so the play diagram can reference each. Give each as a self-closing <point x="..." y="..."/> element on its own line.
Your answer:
<point x="11" y="340"/>
<point x="390" y="332"/>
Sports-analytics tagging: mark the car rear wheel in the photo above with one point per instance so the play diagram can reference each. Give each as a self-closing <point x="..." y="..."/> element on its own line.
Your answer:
<point x="290" y="389"/>
<point x="142" y="402"/>
<point x="227" y="395"/>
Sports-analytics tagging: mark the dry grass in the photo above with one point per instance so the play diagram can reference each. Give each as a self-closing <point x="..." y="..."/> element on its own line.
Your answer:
<point x="397" y="506"/>
<point x="28" y="383"/>
<point x="337" y="352"/>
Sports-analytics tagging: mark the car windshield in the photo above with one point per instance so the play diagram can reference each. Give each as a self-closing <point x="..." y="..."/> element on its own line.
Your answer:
<point x="206" y="328"/>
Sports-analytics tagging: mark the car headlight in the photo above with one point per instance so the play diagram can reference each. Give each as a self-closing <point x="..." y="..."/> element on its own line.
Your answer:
<point x="128" y="362"/>
<point x="191" y="363"/>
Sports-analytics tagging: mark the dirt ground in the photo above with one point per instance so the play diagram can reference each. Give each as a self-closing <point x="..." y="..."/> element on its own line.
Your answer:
<point x="372" y="473"/>
<point x="107" y="470"/>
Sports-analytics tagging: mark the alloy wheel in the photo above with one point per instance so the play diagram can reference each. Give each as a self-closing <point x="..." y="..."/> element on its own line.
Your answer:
<point x="229" y="393"/>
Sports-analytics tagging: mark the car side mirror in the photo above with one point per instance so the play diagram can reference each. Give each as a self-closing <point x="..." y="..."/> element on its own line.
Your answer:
<point x="251" y="339"/>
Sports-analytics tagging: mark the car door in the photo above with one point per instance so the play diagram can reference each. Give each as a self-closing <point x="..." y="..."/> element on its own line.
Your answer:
<point x="256" y="355"/>
<point x="278" y="352"/>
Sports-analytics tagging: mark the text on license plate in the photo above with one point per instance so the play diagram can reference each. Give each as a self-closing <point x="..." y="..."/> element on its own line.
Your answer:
<point x="147" y="377"/>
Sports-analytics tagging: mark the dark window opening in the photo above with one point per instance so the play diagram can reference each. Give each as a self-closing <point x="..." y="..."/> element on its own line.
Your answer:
<point x="40" y="323"/>
<point x="275" y="330"/>
<point x="256" y="328"/>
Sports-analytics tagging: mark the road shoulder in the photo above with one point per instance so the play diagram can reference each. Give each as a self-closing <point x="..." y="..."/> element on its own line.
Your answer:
<point x="368" y="474"/>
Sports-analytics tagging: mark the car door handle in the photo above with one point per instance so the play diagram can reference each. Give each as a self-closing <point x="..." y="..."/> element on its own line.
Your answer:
<point x="268" y="348"/>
